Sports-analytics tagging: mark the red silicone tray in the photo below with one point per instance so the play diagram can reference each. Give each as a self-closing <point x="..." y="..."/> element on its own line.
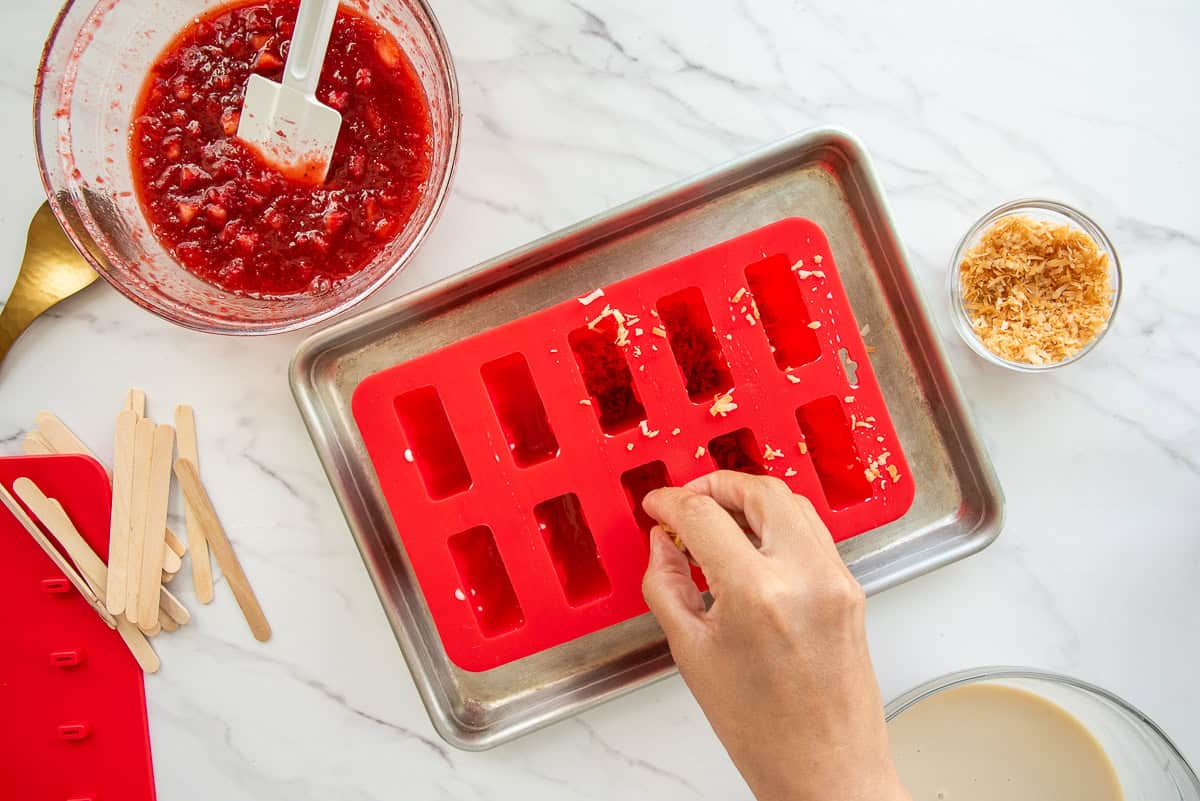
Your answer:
<point x="74" y="706"/>
<point x="514" y="461"/>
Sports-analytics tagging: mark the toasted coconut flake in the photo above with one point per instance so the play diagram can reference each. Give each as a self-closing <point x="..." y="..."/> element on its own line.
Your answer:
<point x="815" y="324"/>
<point x="699" y="452"/>
<point x="893" y="472"/>
<point x="803" y="446"/>
<point x="737" y="296"/>
<point x="793" y="379"/>
<point x="791" y="471"/>
<point x="585" y="402"/>
<point x="408" y="455"/>
<point x="771" y="454"/>
<point x="647" y="431"/>
<point x="659" y="331"/>
<point x="803" y="273"/>
<point x="817" y="259"/>
<point x="1036" y="292"/>
<point x="722" y="404"/>
<point x="675" y="538"/>
<point x="849" y="399"/>
<point x="799" y="263"/>
<point x="629" y="446"/>
<point x="595" y="321"/>
<point x="750" y="319"/>
<point x="818" y="273"/>
<point x="595" y="294"/>
<point x="675" y="432"/>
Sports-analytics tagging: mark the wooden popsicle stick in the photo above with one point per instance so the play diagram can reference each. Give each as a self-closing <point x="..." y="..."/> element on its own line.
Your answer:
<point x="171" y="561"/>
<point x="135" y="401"/>
<point x="58" y="522"/>
<point x="168" y="624"/>
<point x="34" y="444"/>
<point x="52" y="515"/>
<point x="175" y="546"/>
<point x="138" y="645"/>
<point x="60" y="561"/>
<point x="202" y="578"/>
<point x="119" y="523"/>
<point x="61" y="438"/>
<point x="210" y="525"/>
<point x="143" y="447"/>
<point x="154" y="543"/>
<point x="170" y="607"/>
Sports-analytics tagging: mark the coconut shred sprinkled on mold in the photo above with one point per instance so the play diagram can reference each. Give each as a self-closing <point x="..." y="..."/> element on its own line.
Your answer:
<point x="722" y="404"/>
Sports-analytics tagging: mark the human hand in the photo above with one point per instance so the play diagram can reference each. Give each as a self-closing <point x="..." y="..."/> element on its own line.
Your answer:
<point x="779" y="661"/>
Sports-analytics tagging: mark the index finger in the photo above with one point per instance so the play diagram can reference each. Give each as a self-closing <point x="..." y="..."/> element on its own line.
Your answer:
<point x="713" y="537"/>
<point x="780" y="518"/>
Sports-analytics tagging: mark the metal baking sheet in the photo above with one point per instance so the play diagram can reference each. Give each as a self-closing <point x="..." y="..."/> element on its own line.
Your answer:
<point x="824" y="175"/>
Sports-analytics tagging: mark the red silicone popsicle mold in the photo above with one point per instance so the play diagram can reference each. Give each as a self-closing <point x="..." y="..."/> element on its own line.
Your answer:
<point x="72" y="699"/>
<point x="514" y="462"/>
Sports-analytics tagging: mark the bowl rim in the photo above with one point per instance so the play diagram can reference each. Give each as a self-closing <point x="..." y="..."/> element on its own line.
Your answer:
<point x="454" y="105"/>
<point x="988" y="673"/>
<point x="962" y="320"/>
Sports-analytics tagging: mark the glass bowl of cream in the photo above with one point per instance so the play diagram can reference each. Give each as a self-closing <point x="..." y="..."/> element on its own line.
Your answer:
<point x="1017" y="733"/>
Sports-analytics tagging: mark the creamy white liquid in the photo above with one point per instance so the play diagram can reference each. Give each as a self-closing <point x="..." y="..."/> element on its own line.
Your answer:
<point x="987" y="742"/>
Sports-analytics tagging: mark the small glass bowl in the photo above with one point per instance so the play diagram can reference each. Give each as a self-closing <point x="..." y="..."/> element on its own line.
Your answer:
<point x="1047" y="210"/>
<point x="92" y="70"/>
<point x="1147" y="763"/>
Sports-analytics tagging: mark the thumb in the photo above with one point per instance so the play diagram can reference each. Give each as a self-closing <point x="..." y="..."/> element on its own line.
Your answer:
<point x="669" y="590"/>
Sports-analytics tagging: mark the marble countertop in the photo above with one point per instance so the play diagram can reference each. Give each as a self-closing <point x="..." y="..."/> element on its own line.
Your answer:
<point x="571" y="106"/>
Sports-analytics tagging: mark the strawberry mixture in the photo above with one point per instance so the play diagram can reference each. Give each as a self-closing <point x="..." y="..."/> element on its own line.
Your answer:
<point x="236" y="221"/>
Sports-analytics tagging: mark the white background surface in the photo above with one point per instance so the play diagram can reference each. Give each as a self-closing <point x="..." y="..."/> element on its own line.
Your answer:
<point x="570" y="107"/>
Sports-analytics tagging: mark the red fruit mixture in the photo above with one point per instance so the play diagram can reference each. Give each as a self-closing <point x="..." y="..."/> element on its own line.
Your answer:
<point x="236" y="221"/>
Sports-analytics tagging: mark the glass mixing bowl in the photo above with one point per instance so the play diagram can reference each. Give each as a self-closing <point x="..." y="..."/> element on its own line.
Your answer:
<point x="91" y="73"/>
<point x="1148" y="764"/>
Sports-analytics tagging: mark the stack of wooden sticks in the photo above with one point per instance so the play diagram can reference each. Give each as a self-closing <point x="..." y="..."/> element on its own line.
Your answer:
<point x="129" y="592"/>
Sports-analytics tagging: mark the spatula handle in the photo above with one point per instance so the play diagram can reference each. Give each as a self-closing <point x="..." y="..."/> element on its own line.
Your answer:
<point x="306" y="55"/>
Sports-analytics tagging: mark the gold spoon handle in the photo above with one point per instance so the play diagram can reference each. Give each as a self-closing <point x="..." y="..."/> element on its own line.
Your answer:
<point x="51" y="270"/>
<point x="15" y="317"/>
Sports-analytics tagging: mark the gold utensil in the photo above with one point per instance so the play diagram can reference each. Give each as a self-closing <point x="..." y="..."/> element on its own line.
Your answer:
<point x="51" y="271"/>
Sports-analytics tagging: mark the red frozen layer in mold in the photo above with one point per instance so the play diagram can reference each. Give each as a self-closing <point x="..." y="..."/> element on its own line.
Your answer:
<point x="513" y="460"/>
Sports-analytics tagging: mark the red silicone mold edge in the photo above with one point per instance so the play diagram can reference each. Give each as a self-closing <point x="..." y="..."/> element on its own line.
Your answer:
<point x="512" y="460"/>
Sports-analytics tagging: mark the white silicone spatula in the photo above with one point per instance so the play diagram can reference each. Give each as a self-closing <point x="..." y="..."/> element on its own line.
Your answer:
<point x="284" y="121"/>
